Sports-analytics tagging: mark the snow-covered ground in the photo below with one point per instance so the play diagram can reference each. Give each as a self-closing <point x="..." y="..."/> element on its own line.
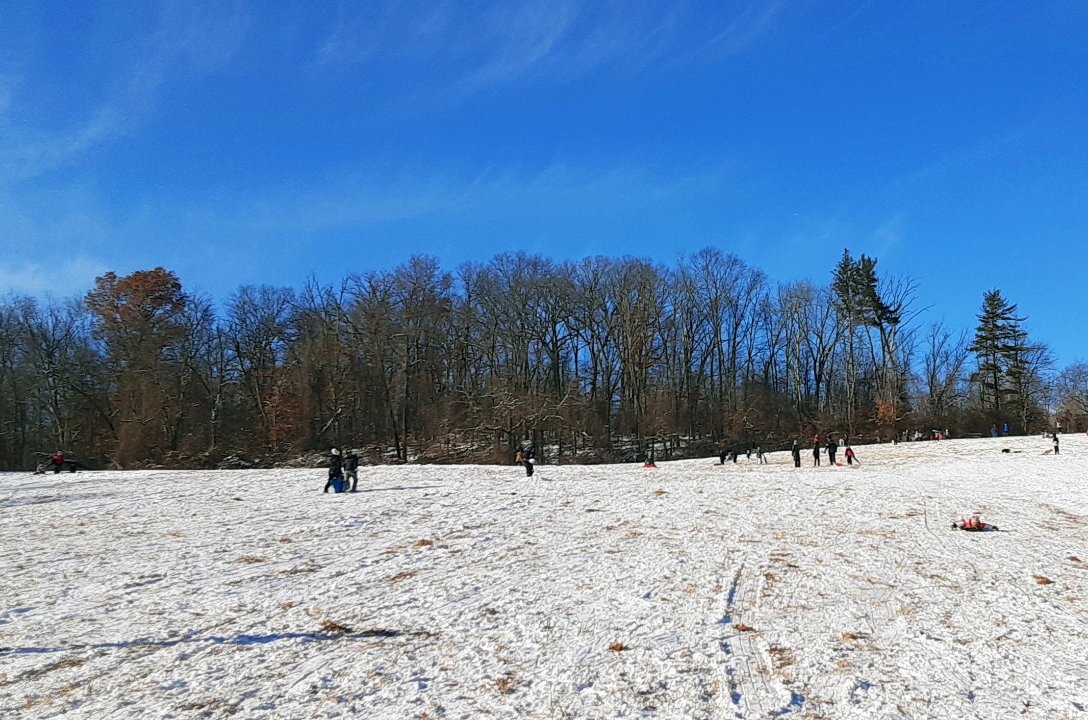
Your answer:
<point x="686" y="591"/>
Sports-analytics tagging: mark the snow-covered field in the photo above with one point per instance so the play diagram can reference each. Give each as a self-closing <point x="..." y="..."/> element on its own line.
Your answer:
<point x="686" y="591"/>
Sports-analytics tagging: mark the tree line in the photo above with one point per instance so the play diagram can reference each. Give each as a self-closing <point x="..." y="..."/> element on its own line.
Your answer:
<point x="600" y="359"/>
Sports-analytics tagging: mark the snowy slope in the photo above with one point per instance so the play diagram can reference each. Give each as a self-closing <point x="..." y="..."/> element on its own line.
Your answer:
<point x="465" y="592"/>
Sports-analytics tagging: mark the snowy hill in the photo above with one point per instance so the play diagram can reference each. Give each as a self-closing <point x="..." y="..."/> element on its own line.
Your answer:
<point x="686" y="591"/>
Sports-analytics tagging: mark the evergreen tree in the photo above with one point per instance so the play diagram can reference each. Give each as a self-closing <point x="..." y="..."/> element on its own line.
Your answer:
<point x="859" y="303"/>
<point x="1009" y="365"/>
<point x="995" y="337"/>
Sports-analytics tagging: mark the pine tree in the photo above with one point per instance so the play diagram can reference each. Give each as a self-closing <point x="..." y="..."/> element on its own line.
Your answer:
<point x="859" y="303"/>
<point x="1000" y="346"/>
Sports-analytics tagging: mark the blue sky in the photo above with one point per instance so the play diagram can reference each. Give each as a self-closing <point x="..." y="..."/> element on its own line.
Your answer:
<point x="267" y="142"/>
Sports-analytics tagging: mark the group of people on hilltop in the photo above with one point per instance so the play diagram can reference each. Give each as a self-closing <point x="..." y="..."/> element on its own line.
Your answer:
<point x="57" y="461"/>
<point x="832" y="448"/>
<point x="342" y="470"/>
<point x="731" y="454"/>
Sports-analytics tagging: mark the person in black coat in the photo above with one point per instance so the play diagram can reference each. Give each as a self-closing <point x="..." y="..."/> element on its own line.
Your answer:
<point x="816" y="454"/>
<point x="832" y="447"/>
<point x="528" y="460"/>
<point x="336" y="468"/>
<point x="351" y="469"/>
<point x="796" y="454"/>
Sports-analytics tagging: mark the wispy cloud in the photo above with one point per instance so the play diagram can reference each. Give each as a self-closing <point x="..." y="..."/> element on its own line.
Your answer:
<point x="468" y="47"/>
<point x="59" y="279"/>
<point x="559" y="192"/>
<point x="507" y="206"/>
<point x="185" y="37"/>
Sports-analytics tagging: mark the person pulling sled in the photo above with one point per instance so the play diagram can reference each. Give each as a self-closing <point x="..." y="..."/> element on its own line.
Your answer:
<point x="973" y="524"/>
<point x="336" y="473"/>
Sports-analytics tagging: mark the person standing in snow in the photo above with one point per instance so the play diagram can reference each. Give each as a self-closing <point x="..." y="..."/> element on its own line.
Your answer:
<point x="993" y="431"/>
<point x="831" y="448"/>
<point x="336" y="469"/>
<point x="58" y="462"/>
<point x="527" y="460"/>
<point x="760" y="457"/>
<point x="850" y="457"/>
<point x="1055" y="443"/>
<point x="351" y="469"/>
<point x="796" y="451"/>
<point x="816" y="453"/>
<point x="1005" y="429"/>
<point x="722" y="455"/>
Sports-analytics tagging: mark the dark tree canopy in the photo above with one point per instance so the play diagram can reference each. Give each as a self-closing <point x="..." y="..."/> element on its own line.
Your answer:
<point x="596" y="360"/>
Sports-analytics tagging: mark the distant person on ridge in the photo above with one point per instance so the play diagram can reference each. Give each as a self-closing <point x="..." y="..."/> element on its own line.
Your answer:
<point x="1005" y="429"/>
<point x="335" y="469"/>
<point x="796" y="452"/>
<point x="58" y="462"/>
<point x="993" y="431"/>
<point x="760" y="457"/>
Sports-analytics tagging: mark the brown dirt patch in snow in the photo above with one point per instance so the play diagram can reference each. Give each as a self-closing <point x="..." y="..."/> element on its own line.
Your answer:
<point x="331" y="626"/>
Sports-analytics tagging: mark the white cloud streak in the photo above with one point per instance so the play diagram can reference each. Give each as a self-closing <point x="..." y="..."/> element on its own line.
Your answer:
<point x="59" y="279"/>
<point x="469" y="47"/>
<point x="186" y="37"/>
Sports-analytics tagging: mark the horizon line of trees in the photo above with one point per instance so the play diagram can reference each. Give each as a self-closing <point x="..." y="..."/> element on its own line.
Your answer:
<point x="417" y="363"/>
